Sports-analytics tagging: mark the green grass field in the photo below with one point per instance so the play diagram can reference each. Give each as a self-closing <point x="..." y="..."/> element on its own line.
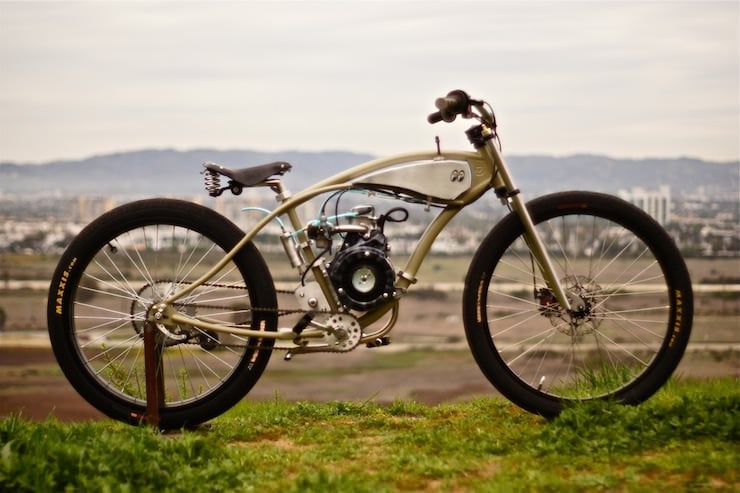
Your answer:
<point x="683" y="439"/>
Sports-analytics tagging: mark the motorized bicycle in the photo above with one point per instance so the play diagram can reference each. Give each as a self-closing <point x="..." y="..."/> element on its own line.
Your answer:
<point x="165" y="311"/>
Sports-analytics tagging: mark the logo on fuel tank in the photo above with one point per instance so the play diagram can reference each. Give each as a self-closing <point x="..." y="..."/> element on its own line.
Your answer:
<point x="457" y="176"/>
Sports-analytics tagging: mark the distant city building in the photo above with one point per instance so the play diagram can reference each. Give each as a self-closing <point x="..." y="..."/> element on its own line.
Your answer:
<point x="657" y="203"/>
<point x="90" y="207"/>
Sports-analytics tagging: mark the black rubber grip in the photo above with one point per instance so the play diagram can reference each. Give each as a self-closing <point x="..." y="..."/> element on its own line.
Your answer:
<point x="434" y="117"/>
<point x="456" y="102"/>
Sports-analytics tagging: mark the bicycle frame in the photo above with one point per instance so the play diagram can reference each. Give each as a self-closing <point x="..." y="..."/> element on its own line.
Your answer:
<point x="470" y="173"/>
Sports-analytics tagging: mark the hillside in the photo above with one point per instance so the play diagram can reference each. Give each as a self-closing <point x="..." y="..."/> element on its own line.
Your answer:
<point x="168" y="172"/>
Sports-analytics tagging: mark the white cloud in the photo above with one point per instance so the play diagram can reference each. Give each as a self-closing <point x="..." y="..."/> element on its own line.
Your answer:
<point x="620" y="78"/>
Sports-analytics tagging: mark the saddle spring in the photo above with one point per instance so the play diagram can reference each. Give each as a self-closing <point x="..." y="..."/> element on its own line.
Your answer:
<point x="212" y="182"/>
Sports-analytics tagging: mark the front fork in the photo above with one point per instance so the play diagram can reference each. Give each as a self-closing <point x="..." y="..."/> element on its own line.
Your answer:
<point x="534" y="242"/>
<point x="504" y="186"/>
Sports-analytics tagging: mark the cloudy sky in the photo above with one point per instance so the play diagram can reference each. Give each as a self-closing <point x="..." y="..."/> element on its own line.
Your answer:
<point x="623" y="78"/>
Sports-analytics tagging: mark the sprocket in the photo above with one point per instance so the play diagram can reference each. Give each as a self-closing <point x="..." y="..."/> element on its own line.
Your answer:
<point x="345" y="333"/>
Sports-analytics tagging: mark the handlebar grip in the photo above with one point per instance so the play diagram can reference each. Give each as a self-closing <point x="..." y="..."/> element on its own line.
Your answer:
<point x="434" y="117"/>
<point x="456" y="102"/>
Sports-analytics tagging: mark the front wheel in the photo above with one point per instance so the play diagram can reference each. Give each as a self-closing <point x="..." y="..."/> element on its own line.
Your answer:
<point x="122" y="264"/>
<point x="627" y="277"/>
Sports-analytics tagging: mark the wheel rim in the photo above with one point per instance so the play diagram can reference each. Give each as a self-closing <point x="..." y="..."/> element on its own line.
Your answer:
<point x="618" y="329"/>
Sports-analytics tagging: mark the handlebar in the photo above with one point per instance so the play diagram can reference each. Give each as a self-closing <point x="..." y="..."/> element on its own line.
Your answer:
<point x="456" y="102"/>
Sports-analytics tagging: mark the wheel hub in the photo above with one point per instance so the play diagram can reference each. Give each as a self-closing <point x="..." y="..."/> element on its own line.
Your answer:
<point x="585" y="315"/>
<point x="147" y="308"/>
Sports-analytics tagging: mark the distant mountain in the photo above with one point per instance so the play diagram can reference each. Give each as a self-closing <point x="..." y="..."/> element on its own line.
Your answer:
<point x="170" y="172"/>
<point x="158" y="172"/>
<point x="601" y="173"/>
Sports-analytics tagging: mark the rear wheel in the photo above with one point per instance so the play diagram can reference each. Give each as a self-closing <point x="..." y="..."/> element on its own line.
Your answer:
<point x="631" y="296"/>
<point x="121" y="265"/>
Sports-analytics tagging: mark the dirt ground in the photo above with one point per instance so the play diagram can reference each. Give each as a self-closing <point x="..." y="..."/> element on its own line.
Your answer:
<point x="32" y="384"/>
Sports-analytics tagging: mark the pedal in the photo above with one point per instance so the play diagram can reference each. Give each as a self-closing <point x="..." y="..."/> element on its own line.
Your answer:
<point x="380" y="341"/>
<point x="304" y="322"/>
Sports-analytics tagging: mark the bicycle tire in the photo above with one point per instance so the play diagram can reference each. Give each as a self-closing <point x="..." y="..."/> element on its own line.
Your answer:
<point x="637" y="298"/>
<point x="123" y="262"/>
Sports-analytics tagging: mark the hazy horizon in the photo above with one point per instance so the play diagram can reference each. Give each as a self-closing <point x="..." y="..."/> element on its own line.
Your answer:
<point x="350" y="151"/>
<point x="628" y="80"/>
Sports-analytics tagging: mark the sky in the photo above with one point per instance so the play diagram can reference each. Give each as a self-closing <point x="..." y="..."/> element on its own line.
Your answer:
<point x="628" y="79"/>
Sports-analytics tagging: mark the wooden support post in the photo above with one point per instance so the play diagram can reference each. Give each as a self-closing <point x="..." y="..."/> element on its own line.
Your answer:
<point x="154" y="375"/>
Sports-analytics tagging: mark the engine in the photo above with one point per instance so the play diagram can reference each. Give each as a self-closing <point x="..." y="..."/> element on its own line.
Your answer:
<point x="360" y="270"/>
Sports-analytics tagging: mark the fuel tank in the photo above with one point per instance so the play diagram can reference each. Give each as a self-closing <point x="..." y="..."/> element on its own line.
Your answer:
<point x="438" y="179"/>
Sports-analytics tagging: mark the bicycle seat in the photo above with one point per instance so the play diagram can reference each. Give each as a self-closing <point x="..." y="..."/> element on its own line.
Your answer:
<point x="251" y="176"/>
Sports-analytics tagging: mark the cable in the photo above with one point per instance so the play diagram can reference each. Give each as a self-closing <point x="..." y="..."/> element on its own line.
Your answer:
<point x="494" y="127"/>
<point x="323" y="252"/>
<point x="266" y="212"/>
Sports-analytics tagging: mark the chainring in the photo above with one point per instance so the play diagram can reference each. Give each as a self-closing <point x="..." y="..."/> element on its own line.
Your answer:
<point x="345" y="333"/>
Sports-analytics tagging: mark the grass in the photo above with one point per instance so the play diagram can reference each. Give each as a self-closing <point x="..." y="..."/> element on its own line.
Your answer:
<point x="684" y="438"/>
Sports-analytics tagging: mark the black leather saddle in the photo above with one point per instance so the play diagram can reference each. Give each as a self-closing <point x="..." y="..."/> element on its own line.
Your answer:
<point x="251" y="176"/>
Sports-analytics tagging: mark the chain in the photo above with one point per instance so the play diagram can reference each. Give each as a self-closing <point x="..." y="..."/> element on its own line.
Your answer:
<point x="279" y="312"/>
<point x="242" y="288"/>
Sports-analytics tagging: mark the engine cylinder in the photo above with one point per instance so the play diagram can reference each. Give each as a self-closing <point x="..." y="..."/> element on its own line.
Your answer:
<point x="363" y="277"/>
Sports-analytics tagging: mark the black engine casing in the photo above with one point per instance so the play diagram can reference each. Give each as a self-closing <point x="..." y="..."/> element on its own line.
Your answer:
<point x="361" y="272"/>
